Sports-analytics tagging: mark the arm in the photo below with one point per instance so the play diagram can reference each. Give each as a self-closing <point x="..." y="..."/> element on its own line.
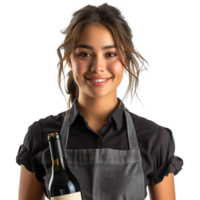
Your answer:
<point x="29" y="187"/>
<point x="164" y="190"/>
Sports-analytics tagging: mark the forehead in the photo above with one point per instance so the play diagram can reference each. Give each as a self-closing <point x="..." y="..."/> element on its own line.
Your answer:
<point x="95" y="35"/>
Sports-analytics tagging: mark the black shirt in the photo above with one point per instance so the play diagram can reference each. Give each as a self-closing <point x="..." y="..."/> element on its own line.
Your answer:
<point x="156" y="143"/>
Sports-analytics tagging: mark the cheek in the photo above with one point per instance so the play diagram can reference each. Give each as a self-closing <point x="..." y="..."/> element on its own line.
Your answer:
<point x="79" y="68"/>
<point x="116" y="68"/>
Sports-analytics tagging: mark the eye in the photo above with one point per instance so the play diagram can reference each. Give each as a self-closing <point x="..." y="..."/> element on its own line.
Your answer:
<point x="83" y="53"/>
<point x="113" y="54"/>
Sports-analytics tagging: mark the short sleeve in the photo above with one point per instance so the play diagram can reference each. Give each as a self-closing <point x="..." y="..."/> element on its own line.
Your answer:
<point x="28" y="152"/>
<point x="164" y="160"/>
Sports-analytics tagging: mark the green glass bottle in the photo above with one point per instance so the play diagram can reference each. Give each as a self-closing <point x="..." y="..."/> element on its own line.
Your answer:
<point x="63" y="185"/>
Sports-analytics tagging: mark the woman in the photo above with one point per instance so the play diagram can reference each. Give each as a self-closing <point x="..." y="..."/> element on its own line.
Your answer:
<point x="133" y="152"/>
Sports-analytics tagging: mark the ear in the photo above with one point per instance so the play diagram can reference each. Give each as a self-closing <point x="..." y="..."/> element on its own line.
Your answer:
<point x="69" y="63"/>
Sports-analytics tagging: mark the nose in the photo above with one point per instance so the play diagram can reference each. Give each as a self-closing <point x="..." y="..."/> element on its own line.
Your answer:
<point x="98" y="65"/>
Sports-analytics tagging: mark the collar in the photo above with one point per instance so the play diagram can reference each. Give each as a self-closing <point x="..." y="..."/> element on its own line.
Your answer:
<point x="116" y="115"/>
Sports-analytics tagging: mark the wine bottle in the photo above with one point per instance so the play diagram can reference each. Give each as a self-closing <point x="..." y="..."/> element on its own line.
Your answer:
<point x="63" y="185"/>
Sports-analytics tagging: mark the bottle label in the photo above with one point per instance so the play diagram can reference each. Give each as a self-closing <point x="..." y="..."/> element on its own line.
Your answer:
<point x="73" y="196"/>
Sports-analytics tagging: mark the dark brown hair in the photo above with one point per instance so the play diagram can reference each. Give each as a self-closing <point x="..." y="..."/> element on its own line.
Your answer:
<point x="110" y="17"/>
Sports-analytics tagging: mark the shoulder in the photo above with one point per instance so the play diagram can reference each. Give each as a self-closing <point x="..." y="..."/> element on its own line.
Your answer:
<point x="49" y="120"/>
<point x="151" y="135"/>
<point x="144" y="125"/>
<point x="38" y="131"/>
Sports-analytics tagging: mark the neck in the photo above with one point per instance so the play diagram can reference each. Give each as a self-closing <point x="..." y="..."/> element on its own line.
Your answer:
<point x="97" y="109"/>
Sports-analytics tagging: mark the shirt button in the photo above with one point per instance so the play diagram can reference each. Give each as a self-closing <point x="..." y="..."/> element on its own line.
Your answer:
<point x="98" y="140"/>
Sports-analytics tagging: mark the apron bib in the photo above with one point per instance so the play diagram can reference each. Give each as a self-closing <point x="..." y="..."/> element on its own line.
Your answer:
<point x="106" y="173"/>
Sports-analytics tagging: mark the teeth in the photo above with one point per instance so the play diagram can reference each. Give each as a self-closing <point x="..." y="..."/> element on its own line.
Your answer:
<point x="98" y="80"/>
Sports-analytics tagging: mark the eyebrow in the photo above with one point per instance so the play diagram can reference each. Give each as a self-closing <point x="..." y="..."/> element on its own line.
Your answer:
<point x="89" y="47"/>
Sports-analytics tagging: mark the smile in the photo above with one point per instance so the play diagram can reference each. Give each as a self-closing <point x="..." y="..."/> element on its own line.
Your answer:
<point x="98" y="83"/>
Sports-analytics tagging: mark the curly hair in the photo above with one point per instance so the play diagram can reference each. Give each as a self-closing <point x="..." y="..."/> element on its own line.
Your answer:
<point x="130" y="54"/>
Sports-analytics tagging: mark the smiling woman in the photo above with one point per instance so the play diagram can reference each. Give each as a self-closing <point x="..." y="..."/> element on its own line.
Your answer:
<point x="98" y="32"/>
<point x="114" y="153"/>
<point x="97" y="43"/>
<point x="96" y="52"/>
<point x="98" y="76"/>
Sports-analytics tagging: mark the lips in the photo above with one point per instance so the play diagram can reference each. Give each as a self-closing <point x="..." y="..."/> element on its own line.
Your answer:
<point x="102" y="83"/>
<point x="97" y="78"/>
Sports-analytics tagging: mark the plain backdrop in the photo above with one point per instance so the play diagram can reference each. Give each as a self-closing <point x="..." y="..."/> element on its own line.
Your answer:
<point x="35" y="37"/>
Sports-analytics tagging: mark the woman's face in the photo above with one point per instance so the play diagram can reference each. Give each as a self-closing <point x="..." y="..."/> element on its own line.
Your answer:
<point x="96" y="60"/>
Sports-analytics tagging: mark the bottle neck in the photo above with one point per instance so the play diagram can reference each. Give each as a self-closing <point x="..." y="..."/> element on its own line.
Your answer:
<point x="57" y="155"/>
<point x="58" y="164"/>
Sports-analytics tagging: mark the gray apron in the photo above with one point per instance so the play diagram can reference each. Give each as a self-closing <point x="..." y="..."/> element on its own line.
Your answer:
<point x="107" y="174"/>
